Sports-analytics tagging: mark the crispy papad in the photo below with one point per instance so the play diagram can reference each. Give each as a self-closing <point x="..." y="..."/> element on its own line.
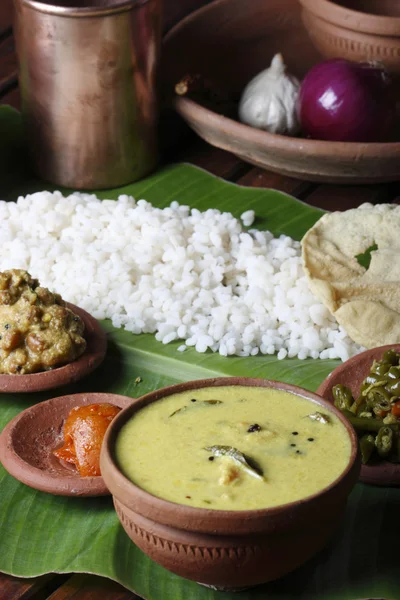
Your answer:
<point x="365" y="301"/>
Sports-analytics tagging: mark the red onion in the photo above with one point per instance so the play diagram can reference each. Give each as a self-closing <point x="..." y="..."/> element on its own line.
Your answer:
<point x="346" y="101"/>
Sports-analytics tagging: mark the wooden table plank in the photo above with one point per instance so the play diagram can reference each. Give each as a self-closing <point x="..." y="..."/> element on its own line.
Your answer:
<point x="257" y="177"/>
<point x="327" y="197"/>
<point x="37" y="588"/>
<point x="6" y="17"/>
<point x="340" y="197"/>
<point x="218" y="162"/>
<point x="90" y="587"/>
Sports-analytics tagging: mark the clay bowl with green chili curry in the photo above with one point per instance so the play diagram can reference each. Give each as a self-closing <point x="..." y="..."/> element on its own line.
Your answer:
<point x="366" y="389"/>
<point x="230" y="482"/>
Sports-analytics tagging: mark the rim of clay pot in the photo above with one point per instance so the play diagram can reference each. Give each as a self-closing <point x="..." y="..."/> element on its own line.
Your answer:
<point x="352" y="19"/>
<point x="211" y="520"/>
<point x="93" y="356"/>
<point x="92" y="8"/>
<point x="308" y="147"/>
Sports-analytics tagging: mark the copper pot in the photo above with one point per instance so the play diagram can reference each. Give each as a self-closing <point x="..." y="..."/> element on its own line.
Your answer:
<point x="88" y="79"/>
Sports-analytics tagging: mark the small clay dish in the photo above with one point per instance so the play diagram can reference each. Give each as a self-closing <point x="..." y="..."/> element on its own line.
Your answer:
<point x="227" y="549"/>
<point x="351" y="374"/>
<point x="27" y="443"/>
<point x="228" y="42"/>
<point x="355" y="29"/>
<point x="46" y="380"/>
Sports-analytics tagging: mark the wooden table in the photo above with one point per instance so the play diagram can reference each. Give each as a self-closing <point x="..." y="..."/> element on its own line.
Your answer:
<point x="218" y="162"/>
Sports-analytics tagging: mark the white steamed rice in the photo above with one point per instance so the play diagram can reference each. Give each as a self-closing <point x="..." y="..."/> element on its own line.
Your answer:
<point x="182" y="274"/>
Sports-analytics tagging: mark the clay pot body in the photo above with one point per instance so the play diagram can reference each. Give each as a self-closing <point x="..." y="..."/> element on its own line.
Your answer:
<point x="348" y="30"/>
<point x="233" y="561"/>
<point x="226" y="549"/>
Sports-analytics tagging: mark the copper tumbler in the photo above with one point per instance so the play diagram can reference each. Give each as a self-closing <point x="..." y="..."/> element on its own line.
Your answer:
<point x="88" y="80"/>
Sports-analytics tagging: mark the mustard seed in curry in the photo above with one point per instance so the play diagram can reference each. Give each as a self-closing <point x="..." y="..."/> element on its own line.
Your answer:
<point x="37" y="331"/>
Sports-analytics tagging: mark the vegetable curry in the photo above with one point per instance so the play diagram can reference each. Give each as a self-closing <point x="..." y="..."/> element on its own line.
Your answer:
<point x="375" y="411"/>
<point x="233" y="448"/>
<point x="37" y="331"/>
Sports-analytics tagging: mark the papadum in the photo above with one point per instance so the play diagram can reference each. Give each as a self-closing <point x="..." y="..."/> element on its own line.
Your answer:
<point x="365" y="301"/>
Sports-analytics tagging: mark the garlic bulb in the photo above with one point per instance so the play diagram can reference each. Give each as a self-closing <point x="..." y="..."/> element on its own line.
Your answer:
<point x="269" y="100"/>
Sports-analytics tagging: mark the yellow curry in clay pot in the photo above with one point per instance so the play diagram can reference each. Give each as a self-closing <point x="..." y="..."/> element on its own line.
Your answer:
<point x="230" y="481"/>
<point x="233" y="448"/>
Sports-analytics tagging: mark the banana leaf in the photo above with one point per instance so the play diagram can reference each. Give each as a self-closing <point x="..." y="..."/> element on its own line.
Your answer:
<point x="41" y="533"/>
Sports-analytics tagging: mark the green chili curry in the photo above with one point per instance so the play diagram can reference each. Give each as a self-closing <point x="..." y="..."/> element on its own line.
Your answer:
<point x="37" y="331"/>
<point x="375" y="411"/>
<point x="233" y="448"/>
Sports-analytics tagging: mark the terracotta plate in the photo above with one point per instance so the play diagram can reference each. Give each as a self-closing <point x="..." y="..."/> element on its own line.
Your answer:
<point x="230" y="41"/>
<point x="27" y="442"/>
<point x="47" y="380"/>
<point x="351" y="373"/>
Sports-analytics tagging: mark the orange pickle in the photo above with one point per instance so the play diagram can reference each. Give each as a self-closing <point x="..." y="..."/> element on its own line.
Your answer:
<point x="84" y="431"/>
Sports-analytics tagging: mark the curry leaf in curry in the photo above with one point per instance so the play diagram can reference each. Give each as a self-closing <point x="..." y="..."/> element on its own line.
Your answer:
<point x="198" y="403"/>
<point x="178" y="410"/>
<point x="245" y="463"/>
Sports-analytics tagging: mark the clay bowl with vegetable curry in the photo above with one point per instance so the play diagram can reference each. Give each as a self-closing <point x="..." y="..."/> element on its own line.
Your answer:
<point x="366" y="388"/>
<point x="44" y="341"/>
<point x="230" y="482"/>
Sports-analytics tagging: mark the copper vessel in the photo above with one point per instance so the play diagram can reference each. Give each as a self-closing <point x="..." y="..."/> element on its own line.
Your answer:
<point x="88" y="80"/>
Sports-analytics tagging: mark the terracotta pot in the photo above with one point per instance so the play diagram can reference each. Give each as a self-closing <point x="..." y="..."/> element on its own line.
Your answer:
<point x="227" y="549"/>
<point x="361" y="30"/>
